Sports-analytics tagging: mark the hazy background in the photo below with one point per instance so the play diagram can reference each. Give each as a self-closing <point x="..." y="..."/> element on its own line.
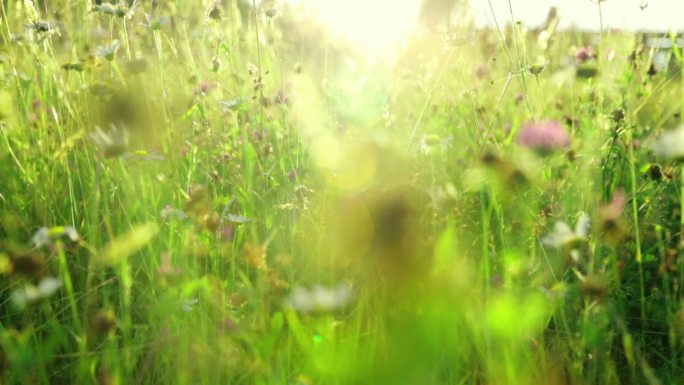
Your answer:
<point x="378" y="25"/>
<point x="659" y="15"/>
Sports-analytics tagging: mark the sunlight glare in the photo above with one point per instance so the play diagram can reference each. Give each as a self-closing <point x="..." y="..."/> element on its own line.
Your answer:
<point x="378" y="26"/>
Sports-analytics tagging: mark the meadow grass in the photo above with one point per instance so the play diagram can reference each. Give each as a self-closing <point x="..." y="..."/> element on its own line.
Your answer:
<point x="212" y="193"/>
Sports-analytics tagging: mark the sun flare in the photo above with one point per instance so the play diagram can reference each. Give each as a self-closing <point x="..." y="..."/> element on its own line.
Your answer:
<point x="376" y="26"/>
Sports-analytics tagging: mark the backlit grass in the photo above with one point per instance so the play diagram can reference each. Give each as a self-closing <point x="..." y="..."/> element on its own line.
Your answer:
<point x="199" y="192"/>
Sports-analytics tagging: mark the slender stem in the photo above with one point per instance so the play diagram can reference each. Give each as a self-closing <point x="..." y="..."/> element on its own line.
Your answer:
<point x="600" y="46"/>
<point x="258" y="51"/>
<point x="485" y="213"/>
<point x="635" y="219"/>
<point x="541" y="97"/>
<point x="681" y="215"/>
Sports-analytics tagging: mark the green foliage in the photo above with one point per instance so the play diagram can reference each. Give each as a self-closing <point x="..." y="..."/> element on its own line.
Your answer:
<point x="199" y="192"/>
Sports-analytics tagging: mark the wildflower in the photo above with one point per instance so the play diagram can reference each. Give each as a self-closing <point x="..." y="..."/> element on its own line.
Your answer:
<point x="594" y="287"/>
<point x="618" y="115"/>
<point x="281" y="97"/>
<point x="227" y="233"/>
<point x="292" y="175"/>
<point x="320" y="299"/>
<point x="481" y="71"/>
<point x="215" y="11"/>
<point x="168" y="213"/>
<point x="670" y="144"/>
<point x="537" y="68"/>
<point x="203" y="88"/>
<point x="277" y="284"/>
<point x="215" y="64"/>
<point x="584" y="54"/>
<point x="108" y="51"/>
<point x="113" y="143"/>
<point x="189" y="304"/>
<point x="44" y="236"/>
<point x="612" y="225"/>
<point x="166" y="270"/>
<point x="211" y="220"/>
<point x="614" y="209"/>
<point x="255" y="255"/>
<point x="231" y="104"/>
<point x="31" y="294"/>
<point x="565" y="238"/>
<point x="543" y="136"/>
<point x="27" y="264"/>
<point x="655" y="172"/>
<point x="237" y="219"/>
<point x="41" y="26"/>
<point x="237" y="299"/>
<point x="118" y="10"/>
<point x="154" y="24"/>
<point x="669" y="262"/>
<point x="41" y="237"/>
<point x="228" y="326"/>
<point x="273" y="12"/>
<point x="519" y="98"/>
<point x="103" y="322"/>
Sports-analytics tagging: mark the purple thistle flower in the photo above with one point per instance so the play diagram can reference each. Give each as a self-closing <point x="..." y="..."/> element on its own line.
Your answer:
<point x="203" y="88"/>
<point x="227" y="233"/>
<point x="281" y="98"/>
<point x="584" y="54"/>
<point x="481" y="71"/>
<point x="519" y="98"/>
<point x="543" y="136"/>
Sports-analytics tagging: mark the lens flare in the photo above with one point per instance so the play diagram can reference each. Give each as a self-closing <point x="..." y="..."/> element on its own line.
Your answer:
<point x="376" y="26"/>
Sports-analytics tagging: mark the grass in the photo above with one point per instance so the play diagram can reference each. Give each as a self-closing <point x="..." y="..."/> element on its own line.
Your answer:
<point x="194" y="193"/>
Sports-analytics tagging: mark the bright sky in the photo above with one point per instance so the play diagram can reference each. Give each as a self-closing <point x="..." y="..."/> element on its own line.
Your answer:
<point x="658" y="15"/>
<point x="380" y="24"/>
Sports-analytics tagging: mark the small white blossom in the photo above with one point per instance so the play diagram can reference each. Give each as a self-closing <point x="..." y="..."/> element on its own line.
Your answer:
<point x="41" y="237"/>
<point x="189" y="304"/>
<point x="30" y="294"/>
<point x="320" y="298"/>
<point x="113" y="142"/>
<point x="108" y="51"/>
<point x="168" y="213"/>
<point x="565" y="238"/>
<point x="670" y="144"/>
<point x="45" y="236"/>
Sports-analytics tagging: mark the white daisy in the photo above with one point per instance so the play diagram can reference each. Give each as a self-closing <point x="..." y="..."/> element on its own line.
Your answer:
<point x="565" y="238"/>
<point x="320" y="299"/>
<point x="670" y="144"/>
